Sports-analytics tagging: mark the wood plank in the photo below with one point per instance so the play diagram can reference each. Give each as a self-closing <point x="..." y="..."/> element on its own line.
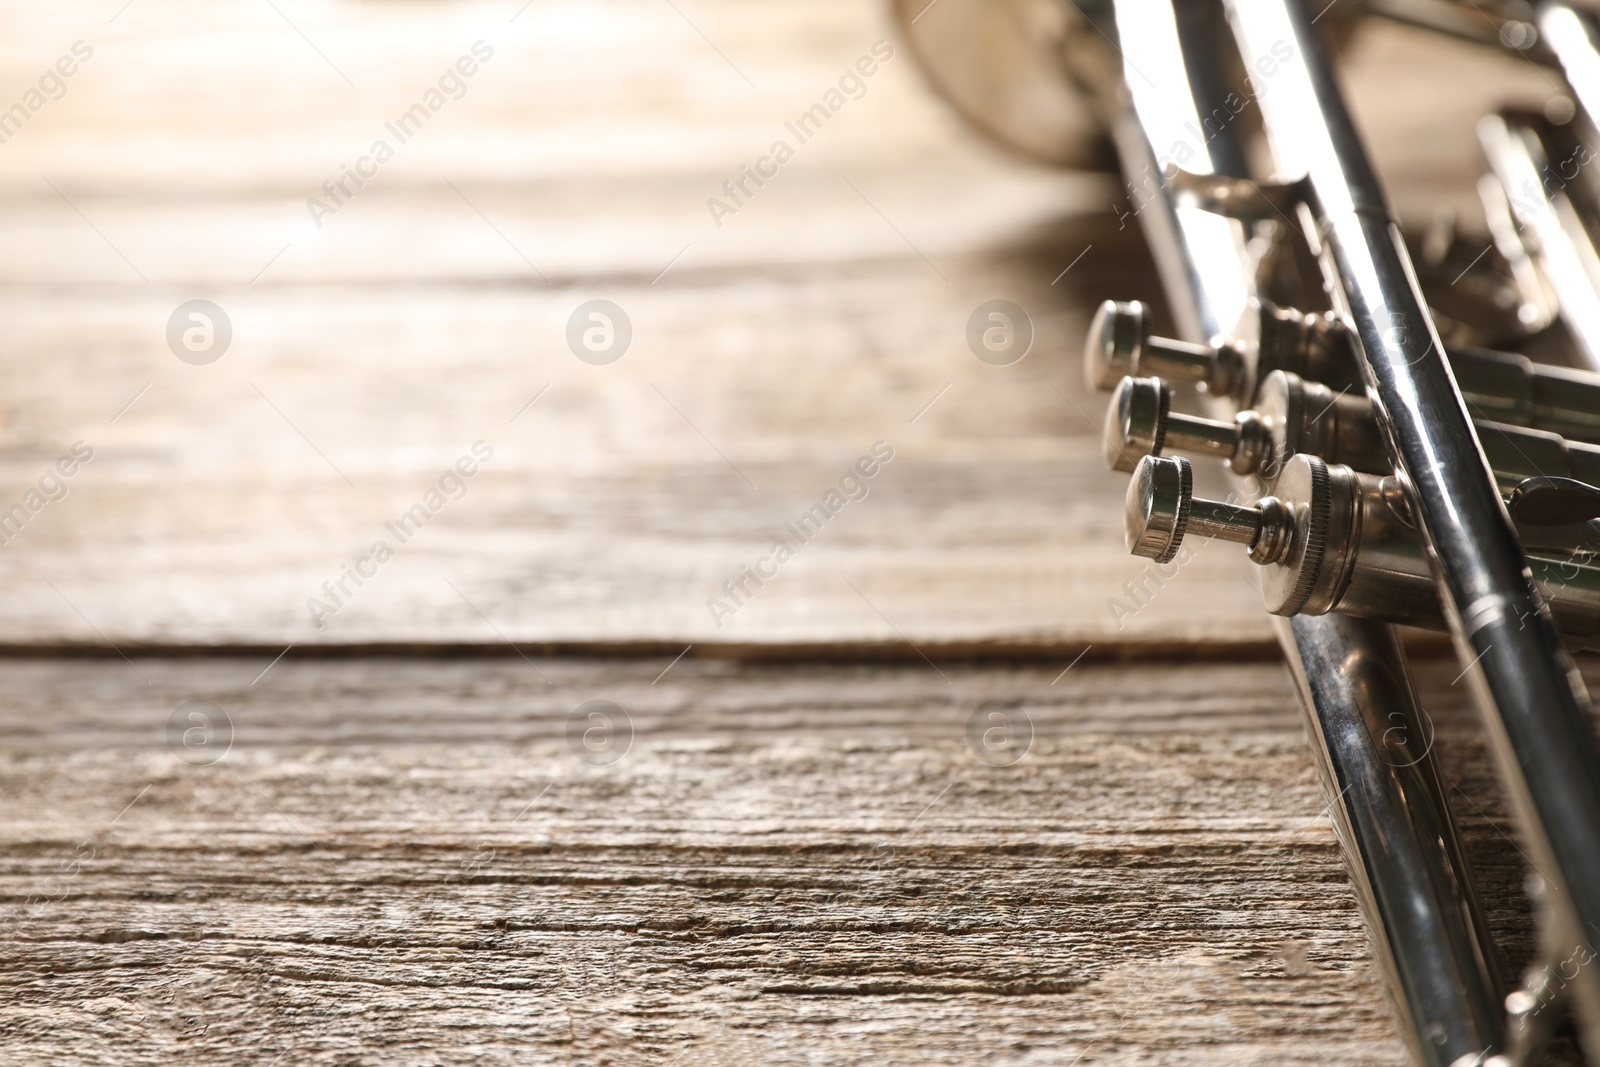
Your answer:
<point x="801" y="863"/>
<point x="605" y="514"/>
<point x="791" y="864"/>
<point x="369" y="354"/>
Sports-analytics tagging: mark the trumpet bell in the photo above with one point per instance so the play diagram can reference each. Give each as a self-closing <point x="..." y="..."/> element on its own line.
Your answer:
<point x="1020" y="72"/>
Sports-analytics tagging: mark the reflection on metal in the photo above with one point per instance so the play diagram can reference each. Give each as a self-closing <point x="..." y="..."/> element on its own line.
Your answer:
<point x="1498" y="386"/>
<point x="1237" y="198"/>
<point x="1404" y="853"/>
<point x="1537" y="305"/>
<point x="1376" y="459"/>
<point x="1400" y="844"/>
<point x="1333" y="539"/>
<point x="1548" y="223"/>
<point x="1291" y="416"/>
<point x="1570" y="33"/>
<point x="1537" y="713"/>
<point x="1202" y="257"/>
<point x="1295" y="417"/>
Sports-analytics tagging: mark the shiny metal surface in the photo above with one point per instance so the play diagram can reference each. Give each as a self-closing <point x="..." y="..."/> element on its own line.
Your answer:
<point x="1533" y="704"/>
<point x="1572" y="33"/>
<point x="1202" y="258"/>
<point x="1335" y="540"/>
<point x="1296" y="417"/>
<point x="1404" y="854"/>
<point x="1302" y="416"/>
<point x="1330" y="537"/>
<point x="1512" y="389"/>
<point x="1120" y="344"/>
<point x="1140" y="422"/>
<point x="1549" y="221"/>
<point x="1554" y="501"/>
<point x="1516" y="453"/>
<point x="1431" y="944"/>
<point x="1500" y="386"/>
<point x="1313" y="346"/>
<point x="1537" y="309"/>
<point x="1157" y="515"/>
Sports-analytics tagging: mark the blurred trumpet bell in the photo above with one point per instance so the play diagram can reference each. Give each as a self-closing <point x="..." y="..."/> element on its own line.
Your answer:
<point x="1019" y="71"/>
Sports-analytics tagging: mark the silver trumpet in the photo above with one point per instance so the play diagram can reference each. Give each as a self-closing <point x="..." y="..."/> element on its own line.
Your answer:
<point x="1381" y="475"/>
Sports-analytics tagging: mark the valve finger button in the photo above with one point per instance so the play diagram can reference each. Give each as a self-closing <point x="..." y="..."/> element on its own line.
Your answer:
<point x="1136" y="422"/>
<point x="1157" y="514"/>
<point x="1321" y="505"/>
<point x="1115" y="338"/>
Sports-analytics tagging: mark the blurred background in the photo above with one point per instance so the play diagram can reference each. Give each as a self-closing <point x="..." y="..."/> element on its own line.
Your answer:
<point x="373" y="343"/>
<point x="802" y="858"/>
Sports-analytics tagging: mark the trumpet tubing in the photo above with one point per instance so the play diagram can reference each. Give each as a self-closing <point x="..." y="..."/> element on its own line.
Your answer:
<point x="1381" y="477"/>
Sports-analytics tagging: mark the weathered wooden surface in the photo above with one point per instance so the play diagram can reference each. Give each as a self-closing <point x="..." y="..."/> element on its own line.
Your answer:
<point x="824" y="316"/>
<point x="403" y="862"/>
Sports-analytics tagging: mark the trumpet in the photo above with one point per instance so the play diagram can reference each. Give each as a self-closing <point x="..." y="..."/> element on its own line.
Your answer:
<point x="1392" y="463"/>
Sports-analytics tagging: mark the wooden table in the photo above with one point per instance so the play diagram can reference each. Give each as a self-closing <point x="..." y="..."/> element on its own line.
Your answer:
<point x="812" y="848"/>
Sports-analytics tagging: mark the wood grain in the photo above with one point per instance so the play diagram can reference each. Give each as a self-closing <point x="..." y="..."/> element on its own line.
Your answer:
<point x="402" y="861"/>
<point x="368" y="354"/>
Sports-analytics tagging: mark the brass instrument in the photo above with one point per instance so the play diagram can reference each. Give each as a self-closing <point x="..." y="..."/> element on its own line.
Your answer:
<point x="1381" y="475"/>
